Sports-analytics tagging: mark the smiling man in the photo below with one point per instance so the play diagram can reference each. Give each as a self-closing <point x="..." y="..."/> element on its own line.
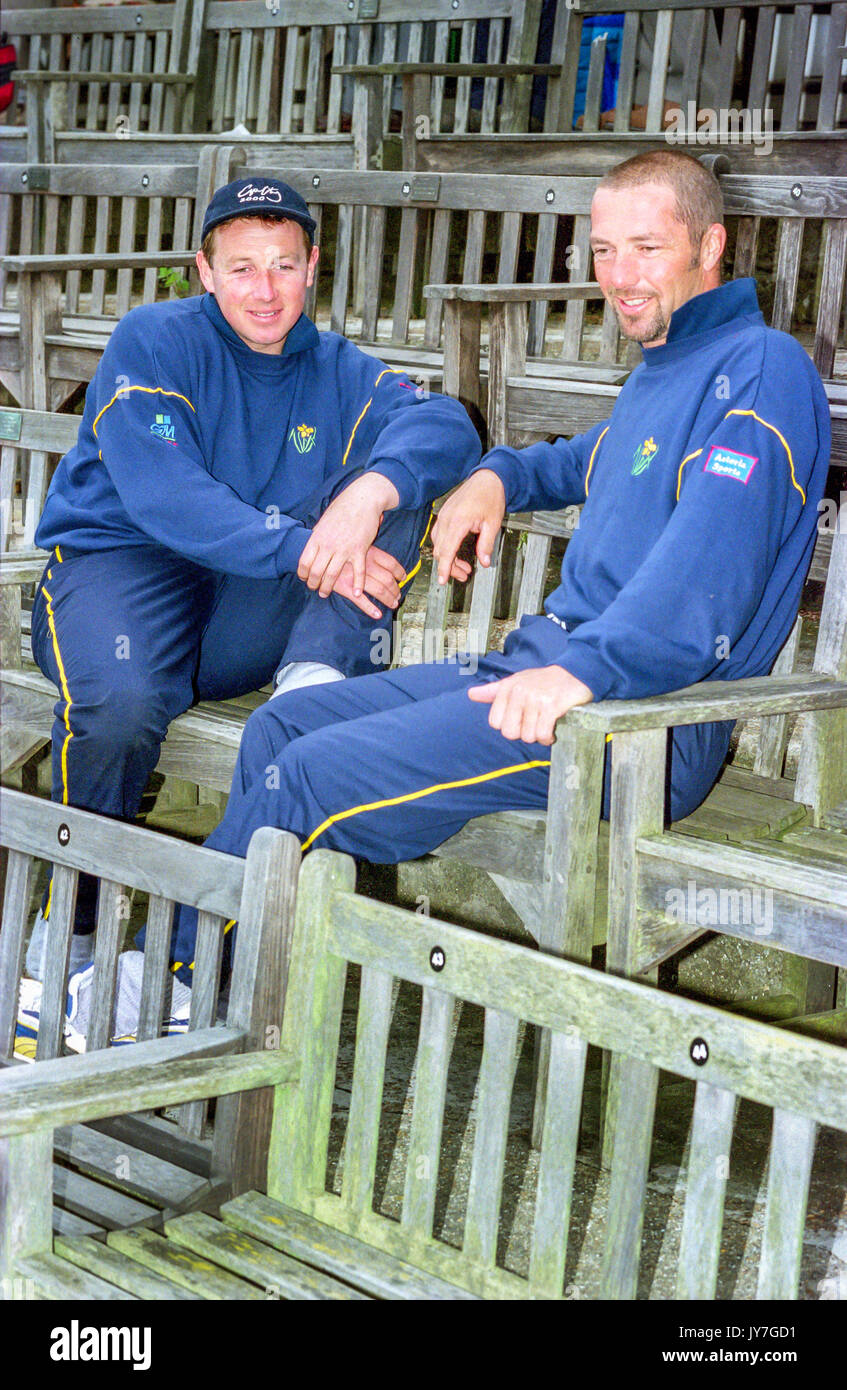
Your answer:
<point x="247" y="497"/>
<point x="699" y="522"/>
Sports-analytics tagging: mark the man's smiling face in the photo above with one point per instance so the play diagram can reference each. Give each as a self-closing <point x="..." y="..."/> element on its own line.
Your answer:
<point x="644" y="260"/>
<point x="259" y="274"/>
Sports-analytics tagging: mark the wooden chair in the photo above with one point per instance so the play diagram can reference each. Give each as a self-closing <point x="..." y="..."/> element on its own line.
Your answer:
<point x="123" y="71"/>
<point x="334" y="1226"/>
<point x="64" y="221"/>
<point x="168" y="1162"/>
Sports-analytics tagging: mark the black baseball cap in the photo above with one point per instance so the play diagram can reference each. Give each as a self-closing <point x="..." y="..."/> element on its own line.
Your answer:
<point x="266" y="196"/>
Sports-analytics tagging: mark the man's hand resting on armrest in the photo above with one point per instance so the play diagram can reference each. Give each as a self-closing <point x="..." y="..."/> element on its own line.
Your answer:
<point x="527" y="705"/>
<point x="476" y="508"/>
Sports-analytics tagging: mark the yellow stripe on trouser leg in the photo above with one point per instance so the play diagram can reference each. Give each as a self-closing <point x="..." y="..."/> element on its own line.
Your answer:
<point x="65" y="692"/>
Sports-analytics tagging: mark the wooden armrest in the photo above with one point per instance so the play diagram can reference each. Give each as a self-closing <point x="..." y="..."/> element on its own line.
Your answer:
<point x="22" y="566"/>
<point x="142" y="1076"/>
<point x="112" y="260"/>
<point x="42" y="75"/>
<point x="448" y="69"/>
<point x="714" y="700"/>
<point x="514" y="294"/>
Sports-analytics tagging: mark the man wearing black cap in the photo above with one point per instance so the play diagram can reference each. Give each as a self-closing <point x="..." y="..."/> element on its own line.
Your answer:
<point x="247" y="497"/>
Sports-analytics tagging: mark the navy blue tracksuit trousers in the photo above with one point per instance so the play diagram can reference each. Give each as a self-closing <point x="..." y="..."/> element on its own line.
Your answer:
<point x="388" y="766"/>
<point x="133" y="637"/>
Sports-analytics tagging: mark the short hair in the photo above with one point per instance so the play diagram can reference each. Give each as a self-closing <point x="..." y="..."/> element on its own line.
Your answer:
<point x="208" y="245"/>
<point x="699" y="201"/>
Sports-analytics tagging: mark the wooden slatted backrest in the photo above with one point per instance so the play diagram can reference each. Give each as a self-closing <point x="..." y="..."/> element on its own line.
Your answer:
<point x="84" y="208"/>
<point x="127" y="860"/>
<point x="328" y="1165"/>
<point x="452" y="227"/>
<point x="30" y="442"/>
<point x="270" y="63"/>
<point x="143" y="39"/>
<point x="783" y="68"/>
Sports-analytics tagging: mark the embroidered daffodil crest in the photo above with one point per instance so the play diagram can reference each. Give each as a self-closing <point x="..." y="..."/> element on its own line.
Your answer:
<point x="303" y="438"/>
<point x="644" y="456"/>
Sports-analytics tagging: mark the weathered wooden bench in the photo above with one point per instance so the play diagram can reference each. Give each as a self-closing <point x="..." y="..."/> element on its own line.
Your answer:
<point x="125" y="71"/>
<point x="468" y="227"/>
<point x="391" y="1194"/>
<point x="146" y="1164"/>
<point x="773" y="221"/>
<point x="63" y="221"/>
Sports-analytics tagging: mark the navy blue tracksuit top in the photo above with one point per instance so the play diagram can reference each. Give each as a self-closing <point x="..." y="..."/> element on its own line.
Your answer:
<point x="194" y="441"/>
<point x="700" y="513"/>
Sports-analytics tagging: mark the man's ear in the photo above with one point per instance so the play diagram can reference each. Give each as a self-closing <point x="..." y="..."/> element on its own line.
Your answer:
<point x="313" y="265"/>
<point x="205" y="272"/>
<point x="713" y="246"/>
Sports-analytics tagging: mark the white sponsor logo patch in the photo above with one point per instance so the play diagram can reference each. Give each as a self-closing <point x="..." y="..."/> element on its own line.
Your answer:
<point x="251" y="193"/>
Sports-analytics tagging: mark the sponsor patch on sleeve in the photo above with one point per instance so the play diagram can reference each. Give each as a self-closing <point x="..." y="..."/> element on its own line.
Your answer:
<point x="728" y="463"/>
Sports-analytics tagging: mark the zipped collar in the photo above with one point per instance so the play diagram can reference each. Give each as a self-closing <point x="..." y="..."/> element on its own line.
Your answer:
<point x="301" y="338"/>
<point x="704" y="317"/>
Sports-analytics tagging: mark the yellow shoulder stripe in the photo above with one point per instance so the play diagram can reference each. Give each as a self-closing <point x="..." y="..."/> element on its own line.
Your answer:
<point x="781" y="439"/>
<point x="415" y="796"/>
<point x="593" y="455"/>
<point x="151" y="390"/>
<point x="385" y="371"/>
<point x="695" y="455"/>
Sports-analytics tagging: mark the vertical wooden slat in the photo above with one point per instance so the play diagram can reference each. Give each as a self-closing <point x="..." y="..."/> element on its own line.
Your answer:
<point x="575" y="309"/>
<point x="437" y="275"/>
<point x="405" y="277"/>
<point x="101" y="245"/>
<point x="333" y="106"/>
<point x="374" y="1021"/>
<point x="59" y="930"/>
<point x="724" y="77"/>
<point x="153" y="242"/>
<point x="463" y="84"/>
<point x="387" y="55"/>
<point x="442" y="39"/>
<point x="630" y="1164"/>
<point x="433" y="1061"/>
<point x="827" y="118"/>
<point x="311" y="302"/>
<point x="626" y="71"/>
<point x="541" y="272"/>
<point x="790" y="238"/>
<point x="242" y="80"/>
<point x="314" y="80"/>
<point x="74" y="65"/>
<point x="557" y="1162"/>
<point x="506" y="357"/>
<point x="792" y="1150"/>
<point x="708" y="1168"/>
<point x="474" y="247"/>
<point x="746" y="245"/>
<point x="760" y="66"/>
<point x="496" y="1075"/>
<point x="219" y="112"/>
<point x="594" y="85"/>
<point x="510" y="241"/>
<point x="157" y="91"/>
<point x="773" y="733"/>
<point x="269" y="42"/>
<point x="343" y="258"/>
<point x="792" y="99"/>
<point x="107" y="945"/>
<point x="374" y="246"/>
<point x="289" y="37"/>
<point x="536" y="556"/>
<point x="488" y="113"/>
<point x="114" y="89"/>
<point x="139" y="44"/>
<point x="94" y="89"/>
<point x="156" y="979"/>
<point x="831" y="294"/>
<point x="658" y="71"/>
<point x="693" y="63"/>
<point x="205" y="988"/>
<point x="16" y="896"/>
<point x="126" y="243"/>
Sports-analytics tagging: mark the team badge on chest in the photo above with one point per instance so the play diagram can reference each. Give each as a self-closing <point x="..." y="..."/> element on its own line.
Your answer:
<point x="644" y="456"/>
<point x="303" y="438"/>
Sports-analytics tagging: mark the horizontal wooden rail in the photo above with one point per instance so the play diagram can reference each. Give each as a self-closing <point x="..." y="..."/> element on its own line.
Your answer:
<point x="714" y="700"/>
<point x="513" y="294"/>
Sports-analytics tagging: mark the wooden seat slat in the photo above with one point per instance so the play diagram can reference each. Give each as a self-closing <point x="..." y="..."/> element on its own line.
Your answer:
<point x="182" y="1267"/>
<point x="99" y="1259"/>
<point x="53" y="1278"/>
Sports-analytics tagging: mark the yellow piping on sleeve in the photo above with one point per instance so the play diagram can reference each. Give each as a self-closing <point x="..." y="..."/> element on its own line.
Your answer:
<point x="66" y="693"/>
<point x="591" y="460"/>
<point x="150" y="390"/>
<point x="696" y="453"/>
<point x="385" y="371"/>
<point x="782" y="441"/>
<point x="415" y="796"/>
